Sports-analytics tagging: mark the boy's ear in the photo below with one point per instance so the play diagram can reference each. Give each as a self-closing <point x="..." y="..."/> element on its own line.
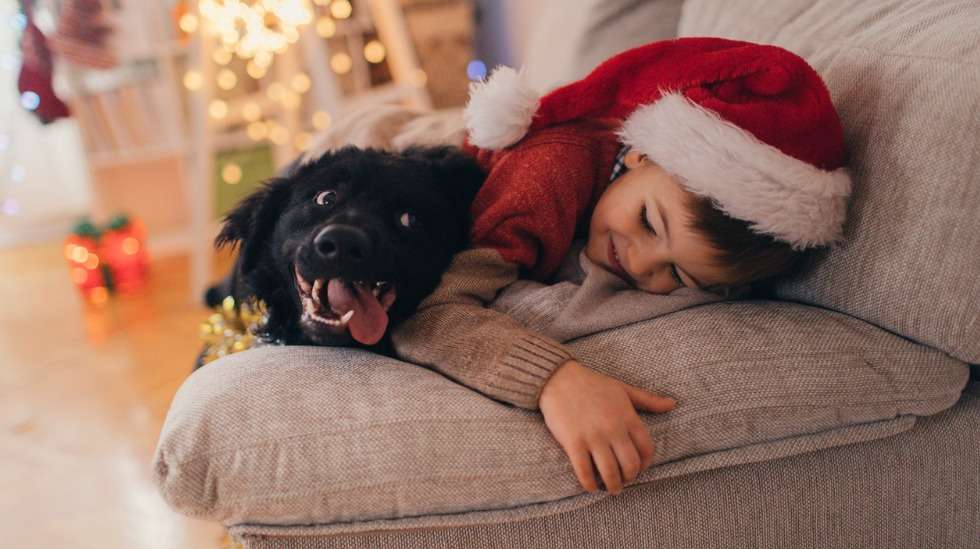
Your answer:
<point x="252" y="221"/>
<point x="634" y="158"/>
<point x="458" y="173"/>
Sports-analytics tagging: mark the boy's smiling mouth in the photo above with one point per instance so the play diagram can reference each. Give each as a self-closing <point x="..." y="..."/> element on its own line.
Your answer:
<point x="615" y="264"/>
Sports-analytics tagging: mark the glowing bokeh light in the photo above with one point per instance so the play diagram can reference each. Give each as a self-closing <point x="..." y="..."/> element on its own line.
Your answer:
<point x="231" y="173"/>
<point x="374" y="51"/>
<point x="476" y="70"/>
<point x="30" y="100"/>
<point x="341" y="63"/>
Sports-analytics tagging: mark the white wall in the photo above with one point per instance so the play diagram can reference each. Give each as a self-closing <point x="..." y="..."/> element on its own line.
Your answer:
<point x="44" y="180"/>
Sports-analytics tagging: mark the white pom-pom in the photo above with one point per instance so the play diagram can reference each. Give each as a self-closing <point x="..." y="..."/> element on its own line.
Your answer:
<point x="500" y="109"/>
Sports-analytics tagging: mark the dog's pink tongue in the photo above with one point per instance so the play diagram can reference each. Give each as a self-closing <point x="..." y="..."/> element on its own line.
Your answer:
<point x="370" y="320"/>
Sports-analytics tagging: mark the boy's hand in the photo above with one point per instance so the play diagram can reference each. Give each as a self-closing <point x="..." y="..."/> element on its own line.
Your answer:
<point x="593" y="417"/>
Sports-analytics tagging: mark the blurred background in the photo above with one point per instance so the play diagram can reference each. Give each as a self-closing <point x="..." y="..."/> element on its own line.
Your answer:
<point x="152" y="109"/>
<point x="127" y="129"/>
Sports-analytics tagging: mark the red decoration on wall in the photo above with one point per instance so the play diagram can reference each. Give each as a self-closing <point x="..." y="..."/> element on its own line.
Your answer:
<point x="34" y="82"/>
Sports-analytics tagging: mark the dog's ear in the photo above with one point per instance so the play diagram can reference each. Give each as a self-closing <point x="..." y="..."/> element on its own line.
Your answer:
<point x="254" y="218"/>
<point x="458" y="173"/>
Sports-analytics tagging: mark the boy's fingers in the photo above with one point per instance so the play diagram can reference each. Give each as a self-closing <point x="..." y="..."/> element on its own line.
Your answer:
<point x="608" y="467"/>
<point x="628" y="457"/>
<point x="644" y="443"/>
<point x="582" y="464"/>
<point x="650" y="402"/>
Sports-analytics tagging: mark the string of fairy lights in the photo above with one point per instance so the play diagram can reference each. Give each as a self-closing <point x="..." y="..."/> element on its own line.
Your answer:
<point x="256" y="32"/>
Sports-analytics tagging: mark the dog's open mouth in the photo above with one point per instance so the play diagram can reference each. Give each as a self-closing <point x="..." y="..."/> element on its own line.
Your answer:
<point x="338" y="306"/>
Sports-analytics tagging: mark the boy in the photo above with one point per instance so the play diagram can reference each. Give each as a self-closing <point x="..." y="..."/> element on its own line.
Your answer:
<point x="725" y="161"/>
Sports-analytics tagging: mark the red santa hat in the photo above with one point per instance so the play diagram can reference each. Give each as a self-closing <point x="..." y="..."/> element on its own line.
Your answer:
<point x="750" y="126"/>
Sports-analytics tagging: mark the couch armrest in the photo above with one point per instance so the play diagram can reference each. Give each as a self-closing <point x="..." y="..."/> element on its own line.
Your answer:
<point x="315" y="435"/>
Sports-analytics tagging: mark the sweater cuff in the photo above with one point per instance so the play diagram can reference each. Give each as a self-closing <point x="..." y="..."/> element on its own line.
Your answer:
<point x="526" y="366"/>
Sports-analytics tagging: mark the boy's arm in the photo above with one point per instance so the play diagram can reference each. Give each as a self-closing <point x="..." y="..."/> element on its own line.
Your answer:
<point x="454" y="333"/>
<point x="524" y="220"/>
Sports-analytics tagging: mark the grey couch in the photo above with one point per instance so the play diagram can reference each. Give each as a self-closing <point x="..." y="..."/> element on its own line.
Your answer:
<point x="834" y="410"/>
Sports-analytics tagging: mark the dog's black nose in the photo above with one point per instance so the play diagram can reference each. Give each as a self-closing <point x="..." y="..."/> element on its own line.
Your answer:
<point x="343" y="243"/>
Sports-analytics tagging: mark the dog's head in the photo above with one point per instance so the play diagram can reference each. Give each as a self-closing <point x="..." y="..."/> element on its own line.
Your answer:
<point x="351" y="242"/>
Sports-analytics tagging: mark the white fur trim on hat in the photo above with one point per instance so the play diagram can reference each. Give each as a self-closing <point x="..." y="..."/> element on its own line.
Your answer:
<point x="778" y="195"/>
<point x="500" y="109"/>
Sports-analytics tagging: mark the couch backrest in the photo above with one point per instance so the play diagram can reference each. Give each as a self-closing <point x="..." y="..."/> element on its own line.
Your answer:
<point x="905" y="77"/>
<point x="571" y="37"/>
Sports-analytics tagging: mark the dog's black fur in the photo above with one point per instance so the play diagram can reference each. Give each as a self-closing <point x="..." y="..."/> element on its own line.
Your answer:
<point x="354" y="215"/>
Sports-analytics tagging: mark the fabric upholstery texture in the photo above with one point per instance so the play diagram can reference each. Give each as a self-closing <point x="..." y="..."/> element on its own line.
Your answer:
<point x="904" y="78"/>
<point x="298" y="435"/>
<point x="573" y="37"/>
<point x="901" y="492"/>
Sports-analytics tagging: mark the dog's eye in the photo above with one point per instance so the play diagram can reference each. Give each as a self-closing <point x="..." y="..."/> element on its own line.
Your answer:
<point x="326" y="198"/>
<point x="409" y="221"/>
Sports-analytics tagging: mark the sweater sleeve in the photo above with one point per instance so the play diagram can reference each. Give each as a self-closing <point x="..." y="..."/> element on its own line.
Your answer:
<point x="532" y="201"/>
<point x="454" y="333"/>
<point x="524" y="220"/>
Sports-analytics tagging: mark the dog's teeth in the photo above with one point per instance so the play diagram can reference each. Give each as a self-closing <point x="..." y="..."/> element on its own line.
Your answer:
<point x="347" y="316"/>
<point x="323" y="320"/>
<point x="376" y="290"/>
<point x="317" y="286"/>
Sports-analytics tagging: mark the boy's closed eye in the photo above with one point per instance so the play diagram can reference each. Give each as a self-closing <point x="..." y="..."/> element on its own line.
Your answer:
<point x="649" y="227"/>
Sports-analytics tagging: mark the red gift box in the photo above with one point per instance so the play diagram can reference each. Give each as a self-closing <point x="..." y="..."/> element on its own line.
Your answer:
<point x="123" y="247"/>
<point x="104" y="261"/>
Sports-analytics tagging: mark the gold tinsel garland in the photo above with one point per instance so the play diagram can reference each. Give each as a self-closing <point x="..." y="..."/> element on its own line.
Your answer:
<point x="232" y="329"/>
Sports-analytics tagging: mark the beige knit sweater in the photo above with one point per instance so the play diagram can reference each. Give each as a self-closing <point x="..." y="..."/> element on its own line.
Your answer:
<point x="455" y="333"/>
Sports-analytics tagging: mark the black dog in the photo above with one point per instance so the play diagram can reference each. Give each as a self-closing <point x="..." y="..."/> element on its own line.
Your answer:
<point x="345" y="246"/>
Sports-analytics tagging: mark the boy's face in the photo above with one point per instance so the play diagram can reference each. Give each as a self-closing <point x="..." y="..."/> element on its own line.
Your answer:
<point x="658" y="255"/>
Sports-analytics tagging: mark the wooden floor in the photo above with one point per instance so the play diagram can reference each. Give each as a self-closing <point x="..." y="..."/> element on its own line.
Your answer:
<point x="83" y="394"/>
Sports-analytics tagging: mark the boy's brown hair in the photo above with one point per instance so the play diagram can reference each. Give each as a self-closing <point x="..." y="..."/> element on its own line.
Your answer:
<point x="745" y="255"/>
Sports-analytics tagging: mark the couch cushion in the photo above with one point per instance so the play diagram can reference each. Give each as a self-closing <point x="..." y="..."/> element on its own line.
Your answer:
<point x="919" y="489"/>
<point x="904" y="76"/>
<point x="287" y="435"/>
